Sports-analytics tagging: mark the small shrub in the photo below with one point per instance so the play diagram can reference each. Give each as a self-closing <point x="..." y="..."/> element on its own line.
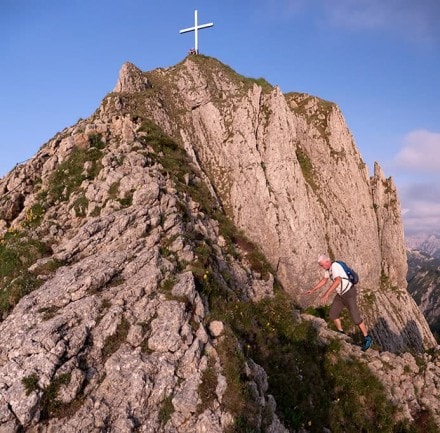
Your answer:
<point x="167" y="285"/>
<point x="126" y="201"/>
<point x="71" y="173"/>
<point x="306" y="167"/>
<point x="114" y="190"/>
<point x="166" y="410"/>
<point x="321" y="311"/>
<point x="30" y="383"/>
<point x="80" y="206"/>
<point x="113" y="342"/>
<point x="49" y="312"/>
<point x="51" y="406"/>
<point x="34" y="216"/>
<point x="95" y="141"/>
<point x="207" y="386"/>
<point x="17" y="253"/>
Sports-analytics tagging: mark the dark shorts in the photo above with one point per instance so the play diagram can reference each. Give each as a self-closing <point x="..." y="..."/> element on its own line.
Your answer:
<point x="348" y="300"/>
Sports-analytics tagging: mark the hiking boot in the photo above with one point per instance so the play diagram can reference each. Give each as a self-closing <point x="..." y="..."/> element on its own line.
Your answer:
<point x="368" y="341"/>
<point x="341" y="331"/>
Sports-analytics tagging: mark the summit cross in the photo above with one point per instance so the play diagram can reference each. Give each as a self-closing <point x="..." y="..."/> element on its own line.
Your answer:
<point x="195" y="29"/>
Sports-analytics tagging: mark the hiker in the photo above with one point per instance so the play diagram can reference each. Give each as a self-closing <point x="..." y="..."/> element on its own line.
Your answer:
<point x="346" y="294"/>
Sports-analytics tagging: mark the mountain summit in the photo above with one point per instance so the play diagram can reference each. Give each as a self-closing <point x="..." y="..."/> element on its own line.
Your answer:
<point x="286" y="170"/>
<point x="154" y="259"/>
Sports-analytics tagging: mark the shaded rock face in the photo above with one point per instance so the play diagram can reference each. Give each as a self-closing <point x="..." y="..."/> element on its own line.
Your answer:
<point x="116" y="329"/>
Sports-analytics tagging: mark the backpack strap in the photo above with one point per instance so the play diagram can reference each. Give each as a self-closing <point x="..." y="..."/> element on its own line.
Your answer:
<point x="349" y="285"/>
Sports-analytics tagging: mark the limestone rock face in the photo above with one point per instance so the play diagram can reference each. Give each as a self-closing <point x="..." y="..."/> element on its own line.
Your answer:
<point x="115" y="242"/>
<point x="117" y="336"/>
<point x="287" y="171"/>
<point x="131" y="80"/>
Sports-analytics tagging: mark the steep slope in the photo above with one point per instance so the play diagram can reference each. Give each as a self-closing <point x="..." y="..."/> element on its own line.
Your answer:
<point x="131" y="303"/>
<point x="118" y="333"/>
<point x="286" y="170"/>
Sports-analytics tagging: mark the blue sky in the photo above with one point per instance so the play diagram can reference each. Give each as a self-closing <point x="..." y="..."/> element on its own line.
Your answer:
<point x="379" y="60"/>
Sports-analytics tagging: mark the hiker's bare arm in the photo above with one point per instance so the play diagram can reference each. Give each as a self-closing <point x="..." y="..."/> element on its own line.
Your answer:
<point x="318" y="286"/>
<point x="331" y="289"/>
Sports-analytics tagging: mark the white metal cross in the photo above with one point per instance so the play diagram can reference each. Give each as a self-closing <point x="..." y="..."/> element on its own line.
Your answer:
<point x="195" y="29"/>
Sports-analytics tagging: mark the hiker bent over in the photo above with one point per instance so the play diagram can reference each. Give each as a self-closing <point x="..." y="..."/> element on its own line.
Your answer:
<point x="346" y="294"/>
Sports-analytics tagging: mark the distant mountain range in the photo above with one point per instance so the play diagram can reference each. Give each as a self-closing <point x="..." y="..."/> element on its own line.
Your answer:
<point x="428" y="243"/>
<point x="424" y="276"/>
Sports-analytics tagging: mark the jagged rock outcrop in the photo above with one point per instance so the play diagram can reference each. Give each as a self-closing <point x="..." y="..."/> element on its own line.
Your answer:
<point x="129" y="300"/>
<point x="286" y="169"/>
<point x="118" y="335"/>
<point x="131" y="80"/>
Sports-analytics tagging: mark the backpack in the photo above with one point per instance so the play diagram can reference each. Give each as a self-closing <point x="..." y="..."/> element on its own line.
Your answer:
<point x="352" y="275"/>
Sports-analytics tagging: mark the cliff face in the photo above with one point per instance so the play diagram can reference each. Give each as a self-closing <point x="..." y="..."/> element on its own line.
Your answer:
<point x="131" y="302"/>
<point x="286" y="169"/>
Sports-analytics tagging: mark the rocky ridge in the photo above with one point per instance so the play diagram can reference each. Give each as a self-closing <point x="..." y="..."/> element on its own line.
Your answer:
<point x="117" y="331"/>
<point x="286" y="170"/>
<point x="136" y="309"/>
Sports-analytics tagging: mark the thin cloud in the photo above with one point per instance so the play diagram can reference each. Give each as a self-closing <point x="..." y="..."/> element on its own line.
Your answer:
<point x="420" y="152"/>
<point x="359" y="14"/>
<point x="419" y="159"/>
<point x="421" y="207"/>
<point x="412" y="19"/>
<point x="419" y="17"/>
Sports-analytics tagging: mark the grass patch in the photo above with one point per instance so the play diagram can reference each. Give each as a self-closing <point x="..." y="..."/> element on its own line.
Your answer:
<point x="30" y="383"/>
<point x="212" y="67"/>
<point x="127" y="200"/>
<point x="69" y="175"/>
<point x="49" y="312"/>
<point x="178" y="165"/>
<point x="80" y="206"/>
<point x="17" y="253"/>
<point x="306" y="167"/>
<point x="166" y="410"/>
<point x="314" y="387"/>
<point x="48" y="267"/>
<point x="113" y="342"/>
<point x="207" y="386"/>
<point x="113" y="191"/>
<point x="237" y="398"/>
<point x="34" y="216"/>
<point x="356" y="391"/>
<point x="50" y="405"/>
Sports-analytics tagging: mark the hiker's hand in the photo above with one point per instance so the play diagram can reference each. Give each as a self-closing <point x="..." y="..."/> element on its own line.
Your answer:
<point x="309" y="291"/>
<point x="324" y="298"/>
